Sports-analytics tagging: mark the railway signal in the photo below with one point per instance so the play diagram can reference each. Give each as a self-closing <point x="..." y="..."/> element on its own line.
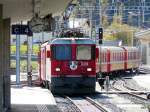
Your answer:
<point x="100" y="34"/>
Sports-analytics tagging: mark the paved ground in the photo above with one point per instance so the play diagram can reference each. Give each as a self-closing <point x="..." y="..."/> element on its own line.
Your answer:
<point x="32" y="99"/>
<point x="143" y="80"/>
<point x="36" y="99"/>
<point x="33" y="108"/>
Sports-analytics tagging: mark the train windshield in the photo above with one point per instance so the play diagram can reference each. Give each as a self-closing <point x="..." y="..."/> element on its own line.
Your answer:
<point x="61" y="52"/>
<point x="84" y="52"/>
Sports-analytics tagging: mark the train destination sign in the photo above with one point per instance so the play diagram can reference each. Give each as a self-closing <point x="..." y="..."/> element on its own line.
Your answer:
<point x="21" y="30"/>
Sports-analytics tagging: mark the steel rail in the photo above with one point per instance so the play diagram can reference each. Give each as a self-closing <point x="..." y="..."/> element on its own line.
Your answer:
<point x="73" y="103"/>
<point x="90" y="101"/>
<point x="132" y="94"/>
<point x="98" y="105"/>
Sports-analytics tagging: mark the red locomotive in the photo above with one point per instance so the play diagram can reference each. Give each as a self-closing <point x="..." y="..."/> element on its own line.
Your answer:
<point x="71" y="65"/>
<point x="68" y="65"/>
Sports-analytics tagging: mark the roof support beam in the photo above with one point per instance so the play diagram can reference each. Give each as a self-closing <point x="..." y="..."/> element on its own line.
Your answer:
<point x="1" y="60"/>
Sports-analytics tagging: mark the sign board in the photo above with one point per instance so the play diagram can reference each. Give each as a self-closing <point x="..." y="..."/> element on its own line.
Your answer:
<point x="21" y="30"/>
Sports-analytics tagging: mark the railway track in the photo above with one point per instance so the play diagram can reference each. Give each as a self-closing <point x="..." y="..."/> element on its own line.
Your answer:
<point x="128" y="89"/>
<point x="86" y="104"/>
<point x="132" y="89"/>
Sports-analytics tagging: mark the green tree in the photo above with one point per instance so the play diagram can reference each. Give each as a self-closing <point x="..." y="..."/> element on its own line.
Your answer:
<point x="119" y="31"/>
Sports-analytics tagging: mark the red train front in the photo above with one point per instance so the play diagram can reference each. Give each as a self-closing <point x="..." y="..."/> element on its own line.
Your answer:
<point x="68" y="65"/>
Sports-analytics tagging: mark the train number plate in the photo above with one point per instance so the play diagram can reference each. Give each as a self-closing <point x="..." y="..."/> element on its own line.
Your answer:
<point x="84" y="63"/>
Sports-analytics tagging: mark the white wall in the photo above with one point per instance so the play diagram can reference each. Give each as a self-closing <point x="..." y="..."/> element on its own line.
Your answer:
<point x="148" y="53"/>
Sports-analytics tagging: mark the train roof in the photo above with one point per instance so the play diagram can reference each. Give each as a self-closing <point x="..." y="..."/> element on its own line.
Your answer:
<point x="72" y="41"/>
<point x="114" y="48"/>
<point x="129" y="48"/>
<point x="119" y="48"/>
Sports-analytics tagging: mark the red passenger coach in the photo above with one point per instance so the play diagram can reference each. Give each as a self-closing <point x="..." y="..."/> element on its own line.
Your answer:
<point x="114" y="59"/>
<point x="68" y="65"/>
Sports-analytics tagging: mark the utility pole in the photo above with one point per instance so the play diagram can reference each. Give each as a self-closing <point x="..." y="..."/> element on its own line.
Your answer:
<point x="18" y="59"/>
<point x="139" y="19"/>
<point x="143" y="11"/>
<point x="100" y="13"/>
<point x="29" y="61"/>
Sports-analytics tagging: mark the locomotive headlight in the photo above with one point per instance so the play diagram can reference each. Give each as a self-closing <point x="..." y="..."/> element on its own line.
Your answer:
<point x="57" y="69"/>
<point x="89" y="69"/>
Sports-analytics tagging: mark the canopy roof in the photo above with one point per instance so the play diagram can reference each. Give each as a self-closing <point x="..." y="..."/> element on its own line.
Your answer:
<point x="20" y="10"/>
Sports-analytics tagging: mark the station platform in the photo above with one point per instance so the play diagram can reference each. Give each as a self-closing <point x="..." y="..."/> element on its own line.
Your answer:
<point x="32" y="99"/>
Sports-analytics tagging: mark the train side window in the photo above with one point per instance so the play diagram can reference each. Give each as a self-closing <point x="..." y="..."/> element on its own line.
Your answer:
<point x="119" y="56"/>
<point x="116" y="56"/>
<point x="113" y="56"/>
<point x="132" y="55"/>
<point x="122" y="56"/>
<point x="136" y="55"/>
<point x="105" y="57"/>
<point x="102" y="57"/>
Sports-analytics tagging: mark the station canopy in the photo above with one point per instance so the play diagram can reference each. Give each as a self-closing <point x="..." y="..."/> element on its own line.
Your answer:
<point x="20" y="10"/>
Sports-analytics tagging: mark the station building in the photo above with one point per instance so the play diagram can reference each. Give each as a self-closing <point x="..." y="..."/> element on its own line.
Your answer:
<point x="143" y="38"/>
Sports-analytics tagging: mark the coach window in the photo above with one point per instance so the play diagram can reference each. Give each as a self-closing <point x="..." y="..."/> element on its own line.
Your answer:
<point x="84" y="52"/>
<point x="119" y="56"/>
<point x="104" y="57"/>
<point x="129" y="55"/>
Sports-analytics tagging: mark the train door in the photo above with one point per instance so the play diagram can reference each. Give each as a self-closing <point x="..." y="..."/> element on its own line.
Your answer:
<point x="43" y="62"/>
<point x="48" y="63"/>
